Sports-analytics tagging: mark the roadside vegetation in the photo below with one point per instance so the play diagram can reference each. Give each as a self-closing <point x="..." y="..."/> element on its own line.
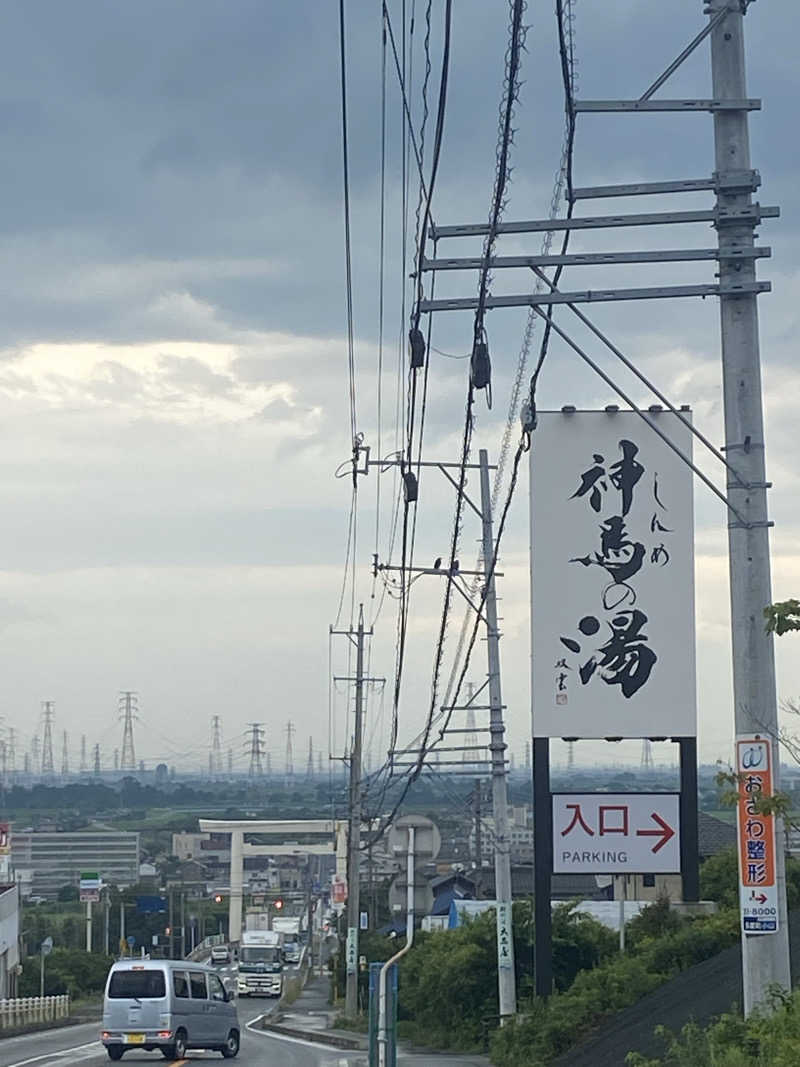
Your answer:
<point x="769" y="1040"/>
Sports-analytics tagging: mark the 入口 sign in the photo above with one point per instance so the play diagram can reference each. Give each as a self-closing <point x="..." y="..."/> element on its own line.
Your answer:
<point x="758" y="890"/>
<point x="616" y="833"/>
<point x="612" y="577"/>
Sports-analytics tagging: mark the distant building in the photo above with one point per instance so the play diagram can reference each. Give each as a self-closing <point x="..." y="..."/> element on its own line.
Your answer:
<point x="44" y="862"/>
<point x="9" y="940"/>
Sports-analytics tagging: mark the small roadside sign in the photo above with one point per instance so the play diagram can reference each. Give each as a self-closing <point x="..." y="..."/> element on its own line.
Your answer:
<point x="47" y="946"/>
<point x="352" y="950"/>
<point x="616" y="833"/>
<point x="758" y="890"/>
<point x="364" y="920"/>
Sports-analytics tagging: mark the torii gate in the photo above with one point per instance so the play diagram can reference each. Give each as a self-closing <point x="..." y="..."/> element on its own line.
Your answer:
<point x="336" y="832"/>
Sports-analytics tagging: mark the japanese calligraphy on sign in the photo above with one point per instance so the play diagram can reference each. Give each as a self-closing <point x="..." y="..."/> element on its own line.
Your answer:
<point x="612" y="566"/>
<point x="505" y="935"/>
<point x="758" y="890"/>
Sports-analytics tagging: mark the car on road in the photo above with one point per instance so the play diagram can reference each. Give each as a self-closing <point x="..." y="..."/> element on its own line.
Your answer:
<point x="169" y="1005"/>
<point x="220" y="954"/>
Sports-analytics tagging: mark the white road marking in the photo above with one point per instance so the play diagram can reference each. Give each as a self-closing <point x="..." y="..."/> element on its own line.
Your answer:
<point x="283" y="1037"/>
<point x="90" y="1049"/>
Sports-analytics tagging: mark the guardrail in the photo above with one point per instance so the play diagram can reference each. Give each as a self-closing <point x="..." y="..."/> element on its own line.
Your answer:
<point x="19" y="1011"/>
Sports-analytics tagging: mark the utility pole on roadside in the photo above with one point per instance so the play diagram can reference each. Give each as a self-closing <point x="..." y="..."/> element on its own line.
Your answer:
<point x="354" y="834"/>
<point x="357" y="637"/>
<point x="765" y="957"/>
<point x="497" y="747"/>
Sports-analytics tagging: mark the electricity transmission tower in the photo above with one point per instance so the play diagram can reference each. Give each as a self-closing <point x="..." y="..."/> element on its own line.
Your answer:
<point x="48" y="714"/>
<point x="36" y="754"/>
<point x="230" y="761"/>
<point x="84" y="766"/>
<point x="310" y="764"/>
<point x="128" y="708"/>
<point x="12" y="750"/>
<point x="215" y="759"/>
<point x="97" y="760"/>
<point x="116" y="759"/>
<point x="254" y="747"/>
<point x="647" y="755"/>
<point x="64" y="755"/>
<point x="290" y="730"/>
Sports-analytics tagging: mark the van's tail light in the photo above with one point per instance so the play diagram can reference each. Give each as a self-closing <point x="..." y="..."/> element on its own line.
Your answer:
<point x="165" y="1033"/>
<point x="105" y="1034"/>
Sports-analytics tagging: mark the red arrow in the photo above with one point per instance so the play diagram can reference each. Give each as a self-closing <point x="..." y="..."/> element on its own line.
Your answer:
<point x="665" y="832"/>
<point x="760" y="899"/>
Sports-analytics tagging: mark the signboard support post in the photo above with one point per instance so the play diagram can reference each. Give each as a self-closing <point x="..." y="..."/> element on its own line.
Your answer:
<point x="690" y="845"/>
<point x="542" y="866"/>
<point x="88" y="926"/>
<point x="765" y="959"/>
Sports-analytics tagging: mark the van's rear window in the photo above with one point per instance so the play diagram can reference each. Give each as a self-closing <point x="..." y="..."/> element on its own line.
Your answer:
<point x="126" y="984"/>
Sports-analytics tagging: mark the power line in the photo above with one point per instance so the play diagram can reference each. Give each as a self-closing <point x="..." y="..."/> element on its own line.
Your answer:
<point x="347" y="242"/>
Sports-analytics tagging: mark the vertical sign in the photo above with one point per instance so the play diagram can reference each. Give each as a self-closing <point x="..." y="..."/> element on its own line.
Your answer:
<point x="505" y="957"/>
<point x="758" y="890"/>
<point x="352" y="950"/>
<point x="612" y="576"/>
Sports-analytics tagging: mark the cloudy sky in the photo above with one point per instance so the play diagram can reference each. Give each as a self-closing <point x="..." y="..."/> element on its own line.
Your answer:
<point x="173" y="383"/>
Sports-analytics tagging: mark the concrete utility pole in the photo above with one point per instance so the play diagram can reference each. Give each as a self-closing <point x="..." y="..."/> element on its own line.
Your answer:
<point x="497" y="747"/>
<point x="354" y="834"/>
<point x="765" y="957"/>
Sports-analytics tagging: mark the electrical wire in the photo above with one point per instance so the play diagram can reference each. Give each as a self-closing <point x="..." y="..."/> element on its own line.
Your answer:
<point x="347" y="240"/>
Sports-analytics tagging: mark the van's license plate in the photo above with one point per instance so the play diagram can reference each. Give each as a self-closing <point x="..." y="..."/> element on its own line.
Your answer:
<point x="134" y="1039"/>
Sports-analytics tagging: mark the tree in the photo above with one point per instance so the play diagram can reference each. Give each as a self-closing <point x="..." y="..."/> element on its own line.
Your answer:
<point x="783" y="616"/>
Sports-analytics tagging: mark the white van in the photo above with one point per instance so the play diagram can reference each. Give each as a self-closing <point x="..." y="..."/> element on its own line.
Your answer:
<point x="171" y="1005"/>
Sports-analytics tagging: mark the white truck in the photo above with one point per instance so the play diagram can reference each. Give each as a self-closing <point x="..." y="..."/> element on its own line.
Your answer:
<point x="289" y="926"/>
<point x="261" y="964"/>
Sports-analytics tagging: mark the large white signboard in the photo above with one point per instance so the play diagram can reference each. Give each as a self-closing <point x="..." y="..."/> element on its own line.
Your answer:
<point x="616" y="833"/>
<point x="612" y="577"/>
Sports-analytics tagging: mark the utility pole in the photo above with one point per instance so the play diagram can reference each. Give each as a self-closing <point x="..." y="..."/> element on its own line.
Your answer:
<point x="476" y="812"/>
<point x="765" y="958"/>
<point x="49" y="714"/>
<point x="354" y="832"/>
<point x="497" y="748"/>
<point x="128" y="706"/>
<point x="116" y="759"/>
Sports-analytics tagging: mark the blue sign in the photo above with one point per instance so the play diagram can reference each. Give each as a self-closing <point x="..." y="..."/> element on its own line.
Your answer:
<point x="131" y="940"/>
<point x="151" y="904"/>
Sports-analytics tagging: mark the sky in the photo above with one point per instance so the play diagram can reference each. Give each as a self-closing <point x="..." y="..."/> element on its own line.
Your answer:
<point x="173" y="348"/>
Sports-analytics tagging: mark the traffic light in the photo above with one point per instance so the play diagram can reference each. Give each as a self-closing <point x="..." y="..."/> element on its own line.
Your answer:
<point x="218" y="898"/>
<point x="278" y="904"/>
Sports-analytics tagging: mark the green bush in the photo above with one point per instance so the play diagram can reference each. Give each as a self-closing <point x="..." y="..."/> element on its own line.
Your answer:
<point x="769" y="1039"/>
<point x="66" y="970"/>
<point x="557" y="1024"/>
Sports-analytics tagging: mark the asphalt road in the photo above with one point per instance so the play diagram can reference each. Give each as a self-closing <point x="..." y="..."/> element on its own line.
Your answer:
<point x="80" y="1045"/>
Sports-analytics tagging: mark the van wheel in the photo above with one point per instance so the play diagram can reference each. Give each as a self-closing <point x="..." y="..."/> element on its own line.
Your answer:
<point x="231" y="1046"/>
<point x="114" y="1053"/>
<point x="178" y="1050"/>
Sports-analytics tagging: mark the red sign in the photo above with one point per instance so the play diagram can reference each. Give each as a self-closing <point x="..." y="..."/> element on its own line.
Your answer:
<point x="339" y="889"/>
